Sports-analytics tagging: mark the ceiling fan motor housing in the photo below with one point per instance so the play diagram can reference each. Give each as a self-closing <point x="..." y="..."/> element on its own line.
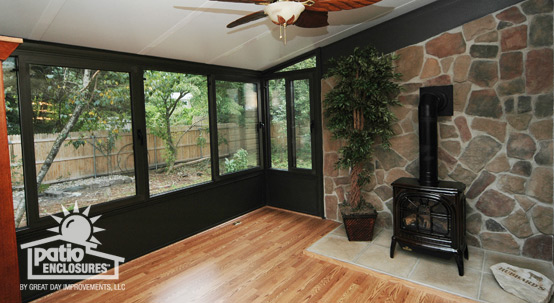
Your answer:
<point x="284" y="12"/>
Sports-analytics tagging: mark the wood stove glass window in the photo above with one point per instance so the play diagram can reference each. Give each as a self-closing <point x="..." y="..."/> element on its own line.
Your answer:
<point x="427" y="215"/>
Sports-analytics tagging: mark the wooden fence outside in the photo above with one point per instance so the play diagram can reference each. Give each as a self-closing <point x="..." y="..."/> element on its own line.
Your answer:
<point x="87" y="161"/>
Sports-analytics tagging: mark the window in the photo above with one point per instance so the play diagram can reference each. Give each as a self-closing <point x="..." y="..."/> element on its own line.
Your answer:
<point x="177" y="130"/>
<point x="290" y="123"/>
<point x="278" y="124"/>
<point x="110" y="134"/>
<point x="237" y="126"/>
<point x="302" y="123"/>
<point x="82" y="136"/>
<point x="14" y="141"/>
<point x="305" y="64"/>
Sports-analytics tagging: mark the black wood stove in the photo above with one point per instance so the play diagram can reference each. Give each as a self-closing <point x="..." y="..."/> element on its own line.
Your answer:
<point x="429" y="215"/>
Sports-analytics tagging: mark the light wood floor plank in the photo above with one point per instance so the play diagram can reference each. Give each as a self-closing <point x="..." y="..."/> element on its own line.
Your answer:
<point x="262" y="259"/>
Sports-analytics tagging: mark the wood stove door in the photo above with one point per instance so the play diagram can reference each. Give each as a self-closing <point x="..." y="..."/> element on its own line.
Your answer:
<point x="424" y="214"/>
<point x="424" y="217"/>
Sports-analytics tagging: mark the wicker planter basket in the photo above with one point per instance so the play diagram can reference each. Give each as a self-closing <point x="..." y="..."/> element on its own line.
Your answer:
<point x="359" y="227"/>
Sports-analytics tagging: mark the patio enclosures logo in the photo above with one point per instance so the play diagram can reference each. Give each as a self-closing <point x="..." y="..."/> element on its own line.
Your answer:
<point x="71" y="254"/>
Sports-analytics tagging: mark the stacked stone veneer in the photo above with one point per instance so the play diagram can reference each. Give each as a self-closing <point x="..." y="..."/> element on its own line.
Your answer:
<point x="499" y="141"/>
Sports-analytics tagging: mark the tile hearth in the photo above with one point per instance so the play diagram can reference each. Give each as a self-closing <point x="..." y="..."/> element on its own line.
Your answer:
<point x="477" y="283"/>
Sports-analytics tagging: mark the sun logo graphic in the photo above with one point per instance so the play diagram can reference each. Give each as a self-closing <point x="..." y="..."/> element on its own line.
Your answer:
<point x="71" y="254"/>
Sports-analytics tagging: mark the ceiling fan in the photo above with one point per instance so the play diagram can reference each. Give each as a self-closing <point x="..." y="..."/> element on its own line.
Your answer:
<point x="307" y="14"/>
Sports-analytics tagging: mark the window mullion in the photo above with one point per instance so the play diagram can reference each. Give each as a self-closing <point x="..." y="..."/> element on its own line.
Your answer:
<point x="212" y="108"/>
<point x="291" y="144"/>
<point x="139" y="133"/>
<point x="27" y="142"/>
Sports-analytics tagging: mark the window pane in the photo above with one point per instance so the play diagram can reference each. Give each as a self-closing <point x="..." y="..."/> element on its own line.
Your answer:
<point x="278" y="124"/>
<point x="237" y="126"/>
<point x="302" y="123"/>
<point x="178" y="130"/>
<point x="308" y="63"/>
<point x="83" y="136"/>
<point x="14" y="141"/>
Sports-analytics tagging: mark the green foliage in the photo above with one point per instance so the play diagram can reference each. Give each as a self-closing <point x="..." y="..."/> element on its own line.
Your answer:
<point x="11" y="96"/>
<point x="237" y="104"/>
<point x="238" y="163"/>
<point x="365" y="82"/>
<point x="76" y="143"/>
<point x="56" y="91"/>
<point x="201" y="141"/>
<point x="301" y="119"/>
<point x="70" y="207"/>
<point x="174" y="99"/>
<point x="231" y="102"/>
<point x="82" y="101"/>
<point x="16" y="169"/>
<point x="278" y="122"/>
<point x="305" y="64"/>
<point x="43" y="187"/>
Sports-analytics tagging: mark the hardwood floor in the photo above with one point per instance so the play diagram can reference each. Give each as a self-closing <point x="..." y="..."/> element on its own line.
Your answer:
<point x="259" y="260"/>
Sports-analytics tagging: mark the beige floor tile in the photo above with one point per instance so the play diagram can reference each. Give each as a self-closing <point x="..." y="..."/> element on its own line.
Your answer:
<point x="444" y="275"/>
<point x="492" y="292"/>
<point x="339" y="231"/>
<point x="383" y="238"/>
<point x="476" y="258"/>
<point x="378" y="257"/>
<point x="338" y="247"/>
<point x="543" y="267"/>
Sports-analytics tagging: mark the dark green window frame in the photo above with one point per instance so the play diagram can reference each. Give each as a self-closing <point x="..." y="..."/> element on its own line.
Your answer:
<point x="44" y="54"/>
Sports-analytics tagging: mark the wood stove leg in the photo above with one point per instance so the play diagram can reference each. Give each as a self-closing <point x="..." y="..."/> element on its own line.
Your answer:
<point x="392" y="247"/>
<point x="460" y="262"/>
<point x="466" y="253"/>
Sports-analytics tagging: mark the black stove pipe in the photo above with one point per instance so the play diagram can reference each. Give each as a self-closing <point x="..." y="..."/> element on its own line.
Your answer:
<point x="428" y="141"/>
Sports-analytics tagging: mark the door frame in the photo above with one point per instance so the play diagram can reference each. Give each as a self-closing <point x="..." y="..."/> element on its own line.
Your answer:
<point x="288" y="179"/>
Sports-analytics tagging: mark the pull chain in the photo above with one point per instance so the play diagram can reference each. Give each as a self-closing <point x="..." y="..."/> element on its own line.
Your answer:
<point x="283" y="33"/>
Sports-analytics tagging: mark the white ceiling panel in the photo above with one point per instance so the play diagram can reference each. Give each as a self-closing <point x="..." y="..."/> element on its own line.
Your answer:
<point x="18" y="18"/>
<point x="191" y="30"/>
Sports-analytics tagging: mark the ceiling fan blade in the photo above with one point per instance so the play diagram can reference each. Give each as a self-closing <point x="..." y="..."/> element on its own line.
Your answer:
<point x="248" y="18"/>
<point x="247" y="1"/>
<point x="338" y="5"/>
<point x="312" y="19"/>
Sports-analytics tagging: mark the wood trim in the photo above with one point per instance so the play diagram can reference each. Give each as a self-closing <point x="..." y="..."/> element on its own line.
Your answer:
<point x="9" y="271"/>
<point x="7" y="46"/>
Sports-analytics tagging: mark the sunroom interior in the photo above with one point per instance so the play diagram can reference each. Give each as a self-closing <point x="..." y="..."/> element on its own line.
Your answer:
<point x="203" y="161"/>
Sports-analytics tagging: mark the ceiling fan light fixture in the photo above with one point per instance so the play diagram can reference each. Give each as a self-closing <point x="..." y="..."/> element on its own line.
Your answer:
<point x="284" y="13"/>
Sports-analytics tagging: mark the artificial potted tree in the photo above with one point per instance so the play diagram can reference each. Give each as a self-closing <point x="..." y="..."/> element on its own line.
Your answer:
<point x="358" y="112"/>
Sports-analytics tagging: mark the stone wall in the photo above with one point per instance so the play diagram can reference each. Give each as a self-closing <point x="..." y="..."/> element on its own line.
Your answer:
<point x="499" y="141"/>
